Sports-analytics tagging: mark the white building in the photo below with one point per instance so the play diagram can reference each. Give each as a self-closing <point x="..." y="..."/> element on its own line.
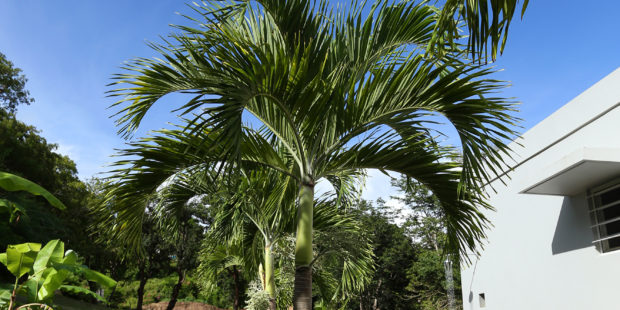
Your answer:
<point x="555" y="243"/>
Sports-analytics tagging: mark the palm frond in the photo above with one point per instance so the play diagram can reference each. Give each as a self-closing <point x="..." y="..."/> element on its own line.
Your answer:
<point x="335" y="91"/>
<point x="487" y="23"/>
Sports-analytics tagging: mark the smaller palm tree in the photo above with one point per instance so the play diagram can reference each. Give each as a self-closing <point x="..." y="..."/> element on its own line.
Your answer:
<point x="216" y="258"/>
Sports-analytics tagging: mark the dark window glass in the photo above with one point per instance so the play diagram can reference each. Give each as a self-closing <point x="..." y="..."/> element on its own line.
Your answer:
<point x="613" y="228"/>
<point x="610" y="196"/>
<point x="611" y="212"/>
<point x="614" y="243"/>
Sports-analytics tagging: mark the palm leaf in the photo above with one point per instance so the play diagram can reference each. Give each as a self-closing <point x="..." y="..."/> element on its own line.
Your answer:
<point x="487" y="24"/>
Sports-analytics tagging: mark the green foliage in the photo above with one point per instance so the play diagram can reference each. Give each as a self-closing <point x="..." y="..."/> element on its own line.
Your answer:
<point x="13" y="90"/>
<point x="427" y="280"/>
<point x="25" y="154"/>
<point x="19" y="259"/>
<point x="258" y="299"/>
<point x="156" y="250"/>
<point x="410" y="255"/>
<point x="224" y="265"/>
<point x="395" y="254"/>
<point x="47" y="270"/>
<point x="160" y="288"/>
<point x="426" y="225"/>
<point x="98" y="247"/>
<point x="12" y="183"/>
<point x="80" y="291"/>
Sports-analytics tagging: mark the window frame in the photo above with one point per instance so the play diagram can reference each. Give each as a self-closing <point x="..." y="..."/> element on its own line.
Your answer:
<point x="601" y="239"/>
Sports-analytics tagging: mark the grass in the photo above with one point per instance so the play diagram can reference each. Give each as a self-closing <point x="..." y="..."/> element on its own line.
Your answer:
<point x="67" y="303"/>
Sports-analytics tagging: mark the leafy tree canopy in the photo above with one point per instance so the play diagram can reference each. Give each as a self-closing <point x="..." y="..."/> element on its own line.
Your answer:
<point x="23" y="152"/>
<point x="13" y="90"/>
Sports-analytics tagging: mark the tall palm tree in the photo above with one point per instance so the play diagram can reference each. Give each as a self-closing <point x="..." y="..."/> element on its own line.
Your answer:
<point x="339" y="90"/>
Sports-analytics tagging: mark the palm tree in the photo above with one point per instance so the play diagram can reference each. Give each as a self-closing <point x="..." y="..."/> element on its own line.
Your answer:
<point x="339" y="91"/>
<point x="263" y="209"/>
<point x="253" y="207"/>
<point x="219" y="258"/>
<point x="258" y="213"/>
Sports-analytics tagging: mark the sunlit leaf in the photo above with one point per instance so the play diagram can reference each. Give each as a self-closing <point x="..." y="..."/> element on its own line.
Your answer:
<point x="20" y="258"/>
<point x="52" y="251"/>
<point x="11" y="182"/>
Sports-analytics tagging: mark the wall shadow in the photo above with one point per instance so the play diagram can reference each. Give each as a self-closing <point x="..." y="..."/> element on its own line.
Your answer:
<point x="572" y="231"/>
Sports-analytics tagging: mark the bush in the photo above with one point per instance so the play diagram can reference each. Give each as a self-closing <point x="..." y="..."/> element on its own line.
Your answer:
<point x="258" y="299"/>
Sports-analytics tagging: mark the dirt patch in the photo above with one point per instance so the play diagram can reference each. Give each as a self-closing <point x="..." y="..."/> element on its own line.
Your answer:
<point x="181" y="306"/>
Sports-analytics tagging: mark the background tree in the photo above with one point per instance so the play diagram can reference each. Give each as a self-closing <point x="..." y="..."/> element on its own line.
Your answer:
<point x="13" y="90"/>
<point x="100" y="249"/>
<point x="227" y="259"/>
<point x="25" y="153"/>
<point x="154" y="260"/>
<point x="425" y="224"/>
<point x="185" y="240"/>
<point x="395" y="254"/>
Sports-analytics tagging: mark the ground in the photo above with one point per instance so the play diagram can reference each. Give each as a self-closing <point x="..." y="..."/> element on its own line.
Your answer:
<point x="181" y="306"/>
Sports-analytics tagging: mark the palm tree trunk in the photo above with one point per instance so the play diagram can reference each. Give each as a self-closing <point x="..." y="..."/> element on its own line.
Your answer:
<point x="143" y="279"/>
<point x="107" y="303"/>
<point x="374" y="303"/>
<point x="176" y="289"/>
<point x="237" y="281"/>
<point x="302" y="295"/>
<point x="270" y="283"/>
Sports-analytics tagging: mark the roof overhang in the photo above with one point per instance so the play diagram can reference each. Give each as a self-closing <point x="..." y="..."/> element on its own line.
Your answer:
<point x="577" y="172"/>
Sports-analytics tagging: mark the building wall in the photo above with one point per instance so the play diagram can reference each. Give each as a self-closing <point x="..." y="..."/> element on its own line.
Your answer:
<point x="539" y="254"/>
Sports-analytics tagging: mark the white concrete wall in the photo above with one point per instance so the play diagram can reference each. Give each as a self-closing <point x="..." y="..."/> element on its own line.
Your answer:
<point x="539" y="255"/>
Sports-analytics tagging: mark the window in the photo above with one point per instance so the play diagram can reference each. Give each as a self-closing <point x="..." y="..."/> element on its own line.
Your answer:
<point x="604" y="205"/>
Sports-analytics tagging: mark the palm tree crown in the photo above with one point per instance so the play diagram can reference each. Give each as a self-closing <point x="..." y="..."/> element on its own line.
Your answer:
<point x="335" y="91"/>
<point x="325" y="85"/>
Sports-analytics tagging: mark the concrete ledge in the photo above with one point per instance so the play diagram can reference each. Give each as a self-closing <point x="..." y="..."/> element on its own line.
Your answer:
<point x="576" y="172"/>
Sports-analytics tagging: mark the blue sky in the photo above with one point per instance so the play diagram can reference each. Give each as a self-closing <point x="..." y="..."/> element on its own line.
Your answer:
<point x="70" y="49"/>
